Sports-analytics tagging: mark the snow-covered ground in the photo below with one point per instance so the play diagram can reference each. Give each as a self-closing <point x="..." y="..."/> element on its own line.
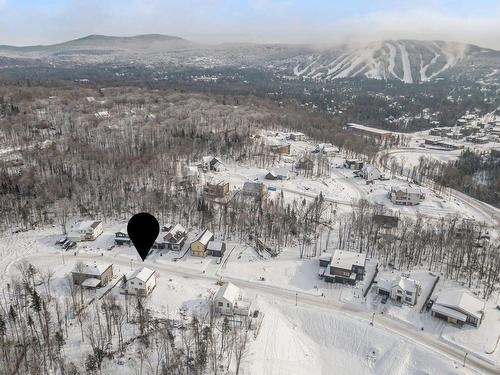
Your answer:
<point x="329" y="327"/>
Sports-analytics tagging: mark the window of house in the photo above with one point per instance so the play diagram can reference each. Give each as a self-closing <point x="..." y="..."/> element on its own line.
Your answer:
<point x="132" y="282"/>
<point x="140" y="283"/>
<point x="220" y="304"/>
<point x="228" y="304"/>
<point x="407" y="299"/>
<point x="409" y="293"/>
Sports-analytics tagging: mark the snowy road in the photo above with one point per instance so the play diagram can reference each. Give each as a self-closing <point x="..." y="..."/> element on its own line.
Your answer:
<point x="288" y="296"/>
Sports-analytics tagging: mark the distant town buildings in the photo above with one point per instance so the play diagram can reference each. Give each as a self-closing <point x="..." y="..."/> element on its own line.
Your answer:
<point x="366" y="131"/>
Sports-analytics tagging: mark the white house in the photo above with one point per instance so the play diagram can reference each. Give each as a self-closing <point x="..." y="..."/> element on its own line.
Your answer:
<point x="87" y="231"/>
<point x="370" y="172"/>
<point x="228" y="301"/>
<point x="401" y="289"/>
<point x="141" y="282"/>
<point x="458" y="307"/>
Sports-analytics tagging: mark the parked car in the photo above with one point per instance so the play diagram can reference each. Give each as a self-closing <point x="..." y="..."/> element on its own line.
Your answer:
<point x="61" y="241"/>
<point x="71" y="245"/>
<point x="111" y="247"/>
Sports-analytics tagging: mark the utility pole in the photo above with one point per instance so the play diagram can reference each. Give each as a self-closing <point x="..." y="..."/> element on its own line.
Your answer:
<point x="465" y="357"/>
<point x="373" y="317"/>
<point x="296" y="296"/>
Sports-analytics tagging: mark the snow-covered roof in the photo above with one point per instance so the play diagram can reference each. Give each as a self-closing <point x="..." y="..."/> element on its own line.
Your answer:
<point x="403" y="282"/>
<point x="449" y="312"/>
<point x="143" y="274"/>
<point x="279" y="171"/>
<point x="91" y="282"/>
<point x="407" y="284"/>
<point x="347" y="259"/>
<point x="252" y="187"/>
<point x="204" y="237"/>
<point x="89" y="224"/>
<point x="325" y="256"/>
<point x="215" y="245"/>
<point x="460" y="300"/>
<point x="367" y="128"/>
<point x="408" y="189"/>
<point x="177" y="233"/>
<point x="96" y="269"/>
<point x="229" y="292"/>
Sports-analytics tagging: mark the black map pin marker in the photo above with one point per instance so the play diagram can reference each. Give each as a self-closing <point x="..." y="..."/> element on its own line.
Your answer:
<point x="143" y="228"/>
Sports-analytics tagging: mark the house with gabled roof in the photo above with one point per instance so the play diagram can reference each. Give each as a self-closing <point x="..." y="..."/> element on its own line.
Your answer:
<point x="141" y="282"/>
<point x="92" y="275"/>
<point x="228" y="301"/>
<point x="199" y="245"/>
<point x="401" y="289"/>
<point x="458" y="307"/>
<point x="175" y="238"/>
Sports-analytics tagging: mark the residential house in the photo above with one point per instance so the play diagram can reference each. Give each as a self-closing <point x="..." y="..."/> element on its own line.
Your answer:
<point x="256" y="190"/>
<point x="217" y="189"/>
<point x="199" y="245"/>
<point x="401" y="289"/>
<point x="458" y="307"/>
<point x="141" y="282"/>
<point x="281" y="149"/>
<point x="346" y="267"/>
<point x="216" y="165"/>
<point x="216" y="248"/>
<point x="175" y="238"/>
<point x="122" y="238"/>
<point x="297" y="136"/>
<point x="353" y="164"/>
<point x="370" y="172"/>
<point x="406" y="195"/>
<point x="92" y="275"/>
<point x="228" y="301"/>
<point x="277" y="174"/>
<point x="325" y="259"/>
<point x="90" y="230"/>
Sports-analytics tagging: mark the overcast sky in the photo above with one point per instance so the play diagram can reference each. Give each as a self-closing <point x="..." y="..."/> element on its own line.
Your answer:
<point x="28" y="22"/>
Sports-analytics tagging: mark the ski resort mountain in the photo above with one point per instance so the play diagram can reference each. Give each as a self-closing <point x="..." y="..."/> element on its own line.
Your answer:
<point x="408" y="61"/>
